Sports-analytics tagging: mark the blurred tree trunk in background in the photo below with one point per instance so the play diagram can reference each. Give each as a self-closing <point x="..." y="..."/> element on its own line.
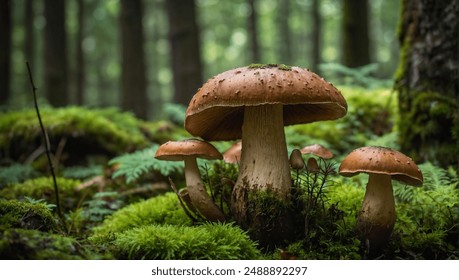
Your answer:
<point x="29" y="40"/>
<point x="133" y="77"/>
<point x="284" y="42"/>
<point x="5" y="50"/>
<point x="252" y="30"/>
<point x="185" y="49"/>
<point x="80" y="63"/>
<point x="56" y="80"/>
<point x="356" y="41"/>
<point x="427" y="80"/>
<point x="316" y="35"/>
<point x="153" y="59"/>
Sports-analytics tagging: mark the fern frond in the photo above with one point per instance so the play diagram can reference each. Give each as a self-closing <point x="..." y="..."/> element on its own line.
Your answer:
<point x="133" y="166"/>
<point x="16" y="173"/>
<point x="175" y="113"/>
<point x="82" y="172"/>
<point x="435" y="177"/>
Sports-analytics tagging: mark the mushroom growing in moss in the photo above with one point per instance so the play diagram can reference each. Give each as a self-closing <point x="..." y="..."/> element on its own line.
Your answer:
<point x="254" y="104"/>
<point x="377" y="216"/>
<point x="296" y="160"/>
<point x="188" y="151"/>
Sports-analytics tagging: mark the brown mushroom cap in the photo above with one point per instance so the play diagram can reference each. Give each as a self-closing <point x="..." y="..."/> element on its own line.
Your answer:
<point x="317" y="150"/>
<point x="381" y="160"/>
<point x="177" y="150"/>
<point x="216" y="111"/>
<point x="233" y="154"/>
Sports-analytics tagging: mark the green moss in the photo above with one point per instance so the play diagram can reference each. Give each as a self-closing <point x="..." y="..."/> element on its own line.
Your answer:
<point x="43" y="188"/>
<point x="209" y="242"/>
<point x="164" y="209"/>
<point x="263" y="66"/>
<point x="25" y="215"/>
<point x="86" y="131"/>
<point x="427" y="128"/>
<point x="24" y="244"/>
<point x="267" y="218"/>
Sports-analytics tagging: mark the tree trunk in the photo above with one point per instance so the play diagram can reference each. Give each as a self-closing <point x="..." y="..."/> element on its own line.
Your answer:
<point x="56" y="80"/>
<point x="427" y="81"/>
<point x="184" y="41"/>
<point x="356" y="42"/>
<point x="80" y="63"/>
<point x="29" y="40"/>
<point x="133" y="76"/>
<point x="284" y="42"/>
<point x="253" y="32"/>
<point x="5" y="53"/>
<point x="316" y="31"/>
<point x="154" y="60"/>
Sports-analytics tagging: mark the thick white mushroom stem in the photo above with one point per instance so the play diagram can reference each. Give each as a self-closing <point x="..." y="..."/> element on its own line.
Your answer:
<point x="198" y="194"/>
<point x="264" y="162"/>
<point x="377" y="216"/>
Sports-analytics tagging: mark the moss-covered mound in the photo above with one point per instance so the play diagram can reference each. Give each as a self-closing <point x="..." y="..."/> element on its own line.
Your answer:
<point x="18" y="214"/>
<point x="108" y="130"/>
<point x="163" y="209"/>
<point x="26" y="244"/>
<point x="158" y="228"/>
<point x="208" y="241"/>
<point x="43" y="188"/>
<point x="80" y="132"/>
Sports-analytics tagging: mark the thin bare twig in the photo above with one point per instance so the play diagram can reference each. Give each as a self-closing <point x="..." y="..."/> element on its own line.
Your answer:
<point x="48" y="149"/>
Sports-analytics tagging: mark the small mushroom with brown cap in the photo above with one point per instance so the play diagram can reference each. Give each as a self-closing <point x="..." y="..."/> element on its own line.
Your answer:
<point x="233" y="154"/>
<point x="296" y="160"/>
<point x="377" y="216"/>
<point x="254" y="104"/>
<point x="188" y="151"/>
<point x="317" y="150"/>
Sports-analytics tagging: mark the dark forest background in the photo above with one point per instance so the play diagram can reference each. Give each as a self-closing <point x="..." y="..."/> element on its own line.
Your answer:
<point x="140" y="54"/>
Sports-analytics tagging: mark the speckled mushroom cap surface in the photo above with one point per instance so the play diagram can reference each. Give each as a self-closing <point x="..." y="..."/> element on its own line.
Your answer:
<point x="381" y="160"/>
<point x="178" y="150"/>
<point x="216" y="111"/>
<point x="318" y="150"/>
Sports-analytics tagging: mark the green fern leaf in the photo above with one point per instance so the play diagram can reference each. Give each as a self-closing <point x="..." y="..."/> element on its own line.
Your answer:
<point x="133" y="166"/>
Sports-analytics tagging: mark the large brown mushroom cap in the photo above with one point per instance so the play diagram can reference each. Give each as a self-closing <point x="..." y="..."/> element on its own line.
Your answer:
<point x="177" y="150"/>
<point x="216" y="111"/>
<point x="381" y="160"/>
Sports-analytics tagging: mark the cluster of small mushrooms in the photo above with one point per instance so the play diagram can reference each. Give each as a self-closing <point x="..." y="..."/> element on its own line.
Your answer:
<point x="253" y="104"/>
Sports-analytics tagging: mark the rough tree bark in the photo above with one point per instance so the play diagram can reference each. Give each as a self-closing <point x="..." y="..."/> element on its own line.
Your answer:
<point x="356" y="42"/>
<point x="133" y="77"/>
<point x="56" y="80"/>
<point x="427" y="80"/>
<point x="184" y="41"/>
